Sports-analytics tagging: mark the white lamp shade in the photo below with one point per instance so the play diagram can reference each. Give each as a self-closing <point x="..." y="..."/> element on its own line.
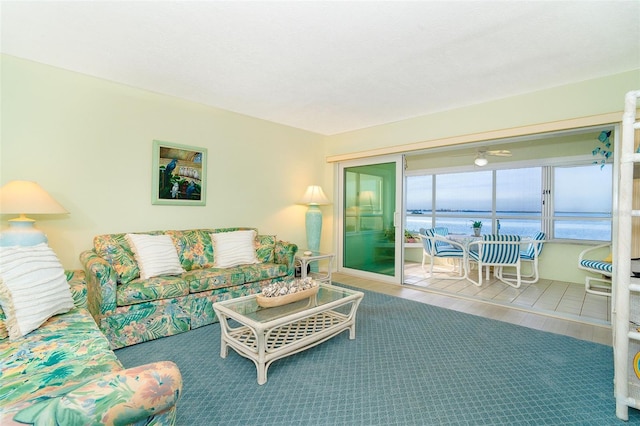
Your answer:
<point x="25" y="197"/>
<point x="314" y="196"/>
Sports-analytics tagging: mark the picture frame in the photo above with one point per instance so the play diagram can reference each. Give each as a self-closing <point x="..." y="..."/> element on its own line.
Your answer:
<point x="179" y="174"/>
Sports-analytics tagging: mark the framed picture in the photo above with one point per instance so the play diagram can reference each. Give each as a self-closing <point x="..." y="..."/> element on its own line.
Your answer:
<point x="179" y="174"/>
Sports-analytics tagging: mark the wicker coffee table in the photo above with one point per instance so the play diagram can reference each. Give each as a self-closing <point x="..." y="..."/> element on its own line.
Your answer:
<point x="266" y="334"/>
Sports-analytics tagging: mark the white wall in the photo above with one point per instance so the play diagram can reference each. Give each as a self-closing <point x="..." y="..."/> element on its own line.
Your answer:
<point x="88" y="142"/>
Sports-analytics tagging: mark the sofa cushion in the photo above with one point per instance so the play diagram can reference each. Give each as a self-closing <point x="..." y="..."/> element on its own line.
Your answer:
<point x="33" y="287"/>
<point x="78" y="287"/>
<point x="115" y="249"/>
<point x="263" y="271"/>
<point x="66" y="350"/>
<point x="265" y="246"/>
<point x="155" y="254"/>
<point x="234" y="248"/>
<point x="145" y="321"/>
<point x="194" y="248"/>
<point x="212" y="278"/>
<point x="156" y="288"/>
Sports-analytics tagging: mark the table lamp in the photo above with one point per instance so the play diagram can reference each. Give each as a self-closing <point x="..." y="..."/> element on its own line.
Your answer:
<point x="314" y="197"/>
<point x="24" y="197"/>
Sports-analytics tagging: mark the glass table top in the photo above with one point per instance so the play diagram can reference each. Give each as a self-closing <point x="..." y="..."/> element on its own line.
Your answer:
<point x="248" y="307"/>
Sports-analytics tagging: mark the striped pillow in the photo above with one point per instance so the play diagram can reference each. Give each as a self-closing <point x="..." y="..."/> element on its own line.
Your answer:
<point x="234" y="248"/>
<point x="33" y="288"/>
<point x="155" y="255"/>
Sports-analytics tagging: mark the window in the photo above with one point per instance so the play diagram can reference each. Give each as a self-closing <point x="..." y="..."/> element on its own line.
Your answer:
<point x="565" y="202"/>
<point x="519" y="200"/>
<point x="582" y="200"/>
<point x="462" y="198"/>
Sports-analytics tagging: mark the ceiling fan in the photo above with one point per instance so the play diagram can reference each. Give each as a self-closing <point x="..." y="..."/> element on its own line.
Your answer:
<point x="481" y="156"/>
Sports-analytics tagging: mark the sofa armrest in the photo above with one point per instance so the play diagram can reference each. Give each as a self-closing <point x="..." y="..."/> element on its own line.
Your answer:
<point x="285" y="254"/>
<point x="101" y="283"/>
<point x="78" y="287"/>
<point x="140" y="395"/>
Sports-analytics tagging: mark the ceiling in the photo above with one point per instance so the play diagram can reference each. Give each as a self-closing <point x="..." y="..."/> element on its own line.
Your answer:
<point x="330" y="66"/>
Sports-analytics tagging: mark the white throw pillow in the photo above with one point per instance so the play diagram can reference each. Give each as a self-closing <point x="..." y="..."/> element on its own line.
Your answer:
<point x="155" y="255"/>
<point x="234" y="248"/>
<point x="33" y="287"/>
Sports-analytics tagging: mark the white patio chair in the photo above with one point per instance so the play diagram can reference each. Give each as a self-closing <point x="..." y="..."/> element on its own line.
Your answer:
<point x="600" y="267"/>
<point x="530" y="254"/>
<point x="427" y="249"/>
<point x="497" y="251"/>
<point x="435" y="245"/>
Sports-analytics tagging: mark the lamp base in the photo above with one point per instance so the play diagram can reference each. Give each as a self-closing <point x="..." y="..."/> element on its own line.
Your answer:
<point x="22" y="232"/>
<point x="313" y="222"/>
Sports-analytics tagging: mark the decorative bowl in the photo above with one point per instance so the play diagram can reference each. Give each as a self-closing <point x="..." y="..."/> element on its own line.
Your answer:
<point x="270" y="302"/>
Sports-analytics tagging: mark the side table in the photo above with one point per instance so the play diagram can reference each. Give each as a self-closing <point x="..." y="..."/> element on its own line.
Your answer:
<point x="303" y="260"/>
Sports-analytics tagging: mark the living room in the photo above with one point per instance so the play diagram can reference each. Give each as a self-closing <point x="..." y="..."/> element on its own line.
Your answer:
<point x="87" y="140"/>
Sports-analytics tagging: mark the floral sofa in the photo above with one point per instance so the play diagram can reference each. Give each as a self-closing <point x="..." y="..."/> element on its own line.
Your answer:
<point x="130" y="309"/>
<point x="64" y="373"/>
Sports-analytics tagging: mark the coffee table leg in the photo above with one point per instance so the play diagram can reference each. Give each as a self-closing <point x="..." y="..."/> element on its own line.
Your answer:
<point x="352" y="315"/>
<point x="262" y="373"/>
<point x="260" y="363"/>
<point x="224" y="348"/>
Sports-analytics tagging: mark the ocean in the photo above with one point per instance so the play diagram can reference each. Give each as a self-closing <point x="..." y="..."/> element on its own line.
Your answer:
<point x="587" y="229"/>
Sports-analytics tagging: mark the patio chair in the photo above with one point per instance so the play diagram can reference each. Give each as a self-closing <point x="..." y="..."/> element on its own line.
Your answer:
<point x="435" y="245"/>
<point x="603" y="269"/>
<point x="497" y="251"/>
<point x="428" y="249"/>
<point x="530" y="254"/>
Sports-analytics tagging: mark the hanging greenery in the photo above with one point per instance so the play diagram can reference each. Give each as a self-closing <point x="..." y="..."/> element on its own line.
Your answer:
<point x="604" y="151"/>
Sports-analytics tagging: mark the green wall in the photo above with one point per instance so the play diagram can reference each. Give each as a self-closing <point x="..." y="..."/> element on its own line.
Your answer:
<point x="88" y="142"/>
<point x="593" y="97"/>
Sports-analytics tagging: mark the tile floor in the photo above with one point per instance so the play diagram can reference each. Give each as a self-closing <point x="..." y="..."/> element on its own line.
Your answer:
<point x="551" y="306"/>
<point x="568" y="300"/>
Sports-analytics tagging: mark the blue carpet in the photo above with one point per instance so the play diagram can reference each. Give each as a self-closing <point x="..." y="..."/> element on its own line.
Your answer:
<point x="410" y="364"/>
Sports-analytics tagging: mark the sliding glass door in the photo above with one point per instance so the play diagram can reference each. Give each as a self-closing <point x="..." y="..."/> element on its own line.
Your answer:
<point x="371" y="229"/>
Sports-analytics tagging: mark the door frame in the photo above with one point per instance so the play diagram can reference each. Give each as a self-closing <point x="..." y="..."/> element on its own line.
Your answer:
<point x="399" y="217"/>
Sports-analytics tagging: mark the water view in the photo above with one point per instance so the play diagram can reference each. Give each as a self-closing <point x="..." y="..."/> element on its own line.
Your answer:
<point x="587" y="229"/>
<point x="579" y="205"/>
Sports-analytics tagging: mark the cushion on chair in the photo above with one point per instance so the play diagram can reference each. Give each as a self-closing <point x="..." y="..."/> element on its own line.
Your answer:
<point x="597" y="266"/>
<point x="440" y="246"/>
<point x="498" y="253"/>
<point x="449" y="251"/>
<point x="441" y="231"/>
<point x="530" y="251"/>
<point x="428" y="242"/>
